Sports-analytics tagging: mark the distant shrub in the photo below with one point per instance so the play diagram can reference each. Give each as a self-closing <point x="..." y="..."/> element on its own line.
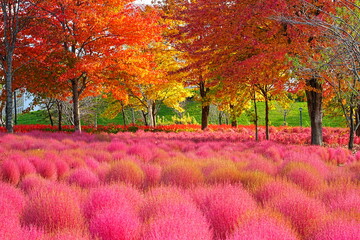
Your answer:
<point x="9" y="172"/>
<point x="126" y="171"/>
<point x="31" y="182"/>
<point x="182" y="173"/>
<point x="84" y="178"/>
<point x="226" y="172"/>
<point x="304" y="175"/>
<point x="152" y="174"/>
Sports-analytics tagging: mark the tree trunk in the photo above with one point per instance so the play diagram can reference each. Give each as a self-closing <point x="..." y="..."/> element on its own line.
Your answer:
<point x="150" y="113"/>
<point x="220" y="118"/>
<point x="48" y="108"/>
<point x="314" y="102"/>
<point x="256" y="119"/>
<point x="205" y="107"/>
<point x="123" y="114"/>
<point x="9" y="101"/>
<point x="15" y="108"/>
<point x="205" y="110"/>
<point x="133" y="116"/>
<point x="145" y="118"/>
<point x="358" y="120"/>
<point x="267" y="117"/>
<point x="233" y="116"/>
<point x="60" y="110"/>
<point x="76" y="108"/>
<point x="352" y="129"/>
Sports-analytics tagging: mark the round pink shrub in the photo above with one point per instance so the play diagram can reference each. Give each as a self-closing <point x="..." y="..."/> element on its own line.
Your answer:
<point x="112" y="196"/>
<point x="304" y="175"/>
<point x="62" y="167"/>
<point x="45" y="168"/>
<point x="303" y="212"/>
<point x="223" y="205"/>
<point x="182" y="173"/>
<point x="33" y="233"/>
<point x="264" y="226"/>
<point x="273" y="189"/>
<point x="341" y="197"/>
<point x="53" y="207"/>
<point x="9" y="172"/>
<point x="32" y="181"/>
<point x="338" y="229"/>
<point x="177" y="227"/>
<point x="116" y="146"/>
<point x="14" y="196"/>
<point x="263" y="165"/>
<point x="115" y="223"/>
<point x="126" y="171"/>
<point x="142" y="150"/>
<point x="84" y="178"/>
<point x="10" y="227"/>
<point x="66" y="235"/>
<point x="25" y="167"/>
<point x="152" y="174"/>
<point x="158" y="197"/>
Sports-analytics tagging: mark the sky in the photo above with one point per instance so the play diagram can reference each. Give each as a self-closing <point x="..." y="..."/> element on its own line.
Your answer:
<point x="143" y="1"/>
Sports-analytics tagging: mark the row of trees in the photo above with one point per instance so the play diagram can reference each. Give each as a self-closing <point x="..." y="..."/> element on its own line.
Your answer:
<point x="234" y="52"/>
<point x="266" y="49"/>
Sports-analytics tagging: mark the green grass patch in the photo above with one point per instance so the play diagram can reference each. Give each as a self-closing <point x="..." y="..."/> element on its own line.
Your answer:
<point x="193" y="108"/>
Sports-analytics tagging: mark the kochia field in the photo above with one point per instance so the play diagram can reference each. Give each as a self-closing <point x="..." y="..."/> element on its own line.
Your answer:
<point x="169" y="186"/>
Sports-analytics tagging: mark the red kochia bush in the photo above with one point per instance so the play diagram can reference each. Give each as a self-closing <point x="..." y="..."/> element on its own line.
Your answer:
<point x="9" y="172"/>
<point x="223" y="205"/>
<point x="84" y="178"/>
<point x="303" y="212"/>
<point x="113" y="196"/>
<point x="126" y="171"/>
<point x="182" y="174"/>
<point x="337" y="228"/>
<point x="169" y="213"/>
<point x="263" y="225"/>
<point x="115" y="223"/>
<point x="53" y="207"/>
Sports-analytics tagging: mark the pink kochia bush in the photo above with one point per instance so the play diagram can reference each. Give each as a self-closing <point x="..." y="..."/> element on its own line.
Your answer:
<point x="223" y="205"/>
<point x="167" y="186"/>
<point x="53" y="207"/>
<point x="170" y="214"/>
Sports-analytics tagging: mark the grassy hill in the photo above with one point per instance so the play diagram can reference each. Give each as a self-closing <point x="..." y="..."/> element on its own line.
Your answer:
<point x="192" y="108"/>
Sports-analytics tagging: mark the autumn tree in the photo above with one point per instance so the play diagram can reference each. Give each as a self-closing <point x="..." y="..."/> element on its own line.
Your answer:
<point x="91" y="36"/>
<point x="340" y="25"/>
<point x="16" y="19"/>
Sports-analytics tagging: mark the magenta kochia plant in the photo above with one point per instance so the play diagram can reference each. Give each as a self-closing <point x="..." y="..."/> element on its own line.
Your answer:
<point x="126" y="171"/>
<point x="337" y="227"/>
<point x="169" y="213"/>
<point x="264" y="225"/>
<point x="115" y="223"/>
<point x="112" y="196"/>
<point x="223" y="205"/>
<point x="182" y="173"/>
<point x="83" y="177"/>
<point x="53" y="207"/>
<point x="9" y="172"/>
<point x="303" y="211"/>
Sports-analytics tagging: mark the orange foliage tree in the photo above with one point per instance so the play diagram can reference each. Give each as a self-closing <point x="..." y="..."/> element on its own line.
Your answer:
<point x="91" y="38"/>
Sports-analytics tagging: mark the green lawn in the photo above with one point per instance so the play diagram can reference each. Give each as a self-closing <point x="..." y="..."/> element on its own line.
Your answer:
<point x="192" y="108"/>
